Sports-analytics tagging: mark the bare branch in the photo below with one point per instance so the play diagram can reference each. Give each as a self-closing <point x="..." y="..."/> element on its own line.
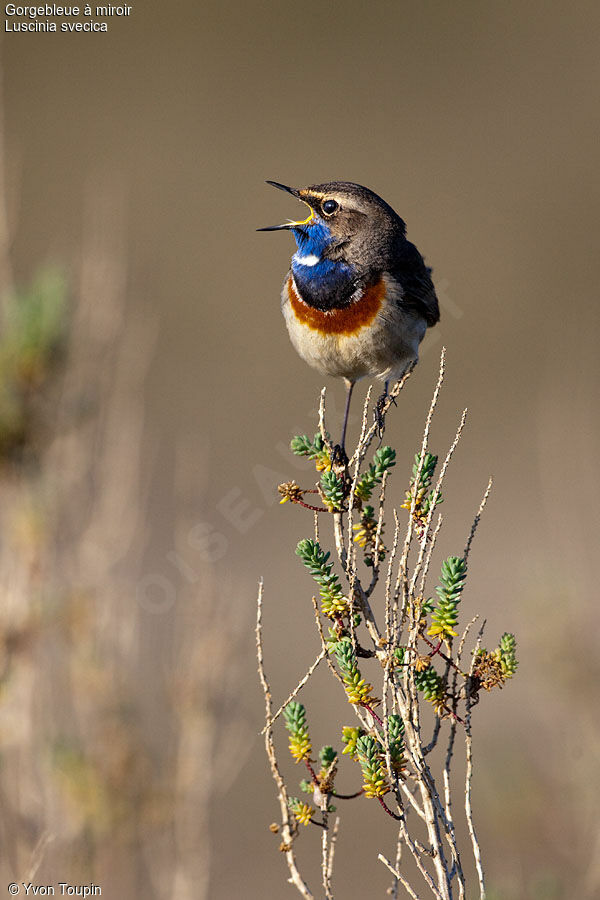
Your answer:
<point x="429" y="554"/>
<point x="477" y="518"/>
<point x="296" y="690"/>
<point x="325" y="855"/>
<point x="397" y="758"/>
<point x="388" y="402"/>
<point x="417" y="858"/>
<point x="322" y="427"/>
<point x="436" y="493"/>
<point x="424" y="443"/>
<point x="332" y="846"/>
<point x="399" y="877"/>
<point x="389" y="612"/>
<point x="448" y="808"/>
<point x="469" y="779"/>
<point x="287" y="826"/>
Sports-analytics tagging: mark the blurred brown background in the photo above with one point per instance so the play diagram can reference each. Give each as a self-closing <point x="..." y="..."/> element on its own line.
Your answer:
<point x="135" y="161"/>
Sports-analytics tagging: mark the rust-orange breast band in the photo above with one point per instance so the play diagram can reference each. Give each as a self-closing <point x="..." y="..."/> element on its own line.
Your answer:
<point x="344" y="321"/>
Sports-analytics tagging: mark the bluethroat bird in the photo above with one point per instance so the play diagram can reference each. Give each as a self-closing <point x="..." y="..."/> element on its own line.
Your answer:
<point x="358" y="297"/>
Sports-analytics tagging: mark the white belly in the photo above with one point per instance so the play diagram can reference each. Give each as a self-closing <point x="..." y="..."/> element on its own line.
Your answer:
<point x="381" y="349"/>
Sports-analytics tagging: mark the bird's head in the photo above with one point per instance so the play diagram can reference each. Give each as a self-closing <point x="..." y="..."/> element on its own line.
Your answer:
<point x="346" y="223"/>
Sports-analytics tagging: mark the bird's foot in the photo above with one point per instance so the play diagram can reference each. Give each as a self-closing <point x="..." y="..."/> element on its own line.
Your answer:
<point x="379" y="414"/>
<point x="339" y="458"/>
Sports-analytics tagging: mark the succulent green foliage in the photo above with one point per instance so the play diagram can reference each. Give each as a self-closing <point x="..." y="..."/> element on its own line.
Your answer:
<point x="420" y="485"/>
<point x="425" y="476"/>
<point x="369" y="755"/>
<point x="452" y="582"/>
<point x="358" y="690"/>
<point x="508" y="654"/>
<point x="301" y="445"/>
<point x="427" y="605"/>
<point x="32" y="331"/>
<point x="302" y="811"/>
<point x="327" y="756"/>
<point x="295" y="722"/>
<point x="432" y="685"/>
<point x="367" y="517"/>
<point x="332" y="488"/>
<point x="383" y="460"/>
<point x="437" y="616"/>
<point x="316" y="449"/>
<point x="326" y="777"/>
<point x="333" y="602"/>
<point x="331" y="639"/>
<point x="345" y="655"/>
<point x="493" y="669"/>
<point x="396" y="741"/>
<point x="350" y="735"/>
<point x="400" y="656"/>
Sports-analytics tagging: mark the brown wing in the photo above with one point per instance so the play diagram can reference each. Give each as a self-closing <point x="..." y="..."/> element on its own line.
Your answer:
<point x="415" y="277"/>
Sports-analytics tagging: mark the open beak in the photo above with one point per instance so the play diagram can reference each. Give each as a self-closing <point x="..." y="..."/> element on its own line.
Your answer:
<point x="289" y="225"/>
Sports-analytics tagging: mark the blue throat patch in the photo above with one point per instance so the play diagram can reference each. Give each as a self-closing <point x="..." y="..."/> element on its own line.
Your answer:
<point x="322" y="282"/>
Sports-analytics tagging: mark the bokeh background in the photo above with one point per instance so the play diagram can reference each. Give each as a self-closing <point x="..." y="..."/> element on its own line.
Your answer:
<point x="147" y="428"/>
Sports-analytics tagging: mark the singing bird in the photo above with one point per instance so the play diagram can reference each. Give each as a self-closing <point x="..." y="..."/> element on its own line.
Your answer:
<point x="358" y="297"/>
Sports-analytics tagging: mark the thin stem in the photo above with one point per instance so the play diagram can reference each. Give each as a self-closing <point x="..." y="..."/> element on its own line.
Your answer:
<point x="434" y="737"/>
<point x="389" y="401"/>
<point x="389" y="811"/>
<point x="322" y="428"/>
<point x="288" y="828"/>
<point x="448" y="809"/>
<point x="469" y="810"/>
<point x="436" y="649"/>
<point x="399" y="877"/>
<point x="435" y="496"/>
<point x="347" y="796"/>
<point x="308" y="506"/>
<point x="312" y="772"/>
<point x="429" y="554"/>
<point x="469" y="779"/>
<point x="448" y="659"/>
<point x="296" y="690"/>
<point x="326" y="875"/>
<point x="417" y="858"/>
<point x="332" y="846"/>
<point x="349" y="389"/>
<point x="477" y="518"/>
<point x="373" y="713"/>
<point x="437" y="857"/>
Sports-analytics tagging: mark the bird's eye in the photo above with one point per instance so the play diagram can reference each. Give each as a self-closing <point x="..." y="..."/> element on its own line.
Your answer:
<point x="330" y="206"/>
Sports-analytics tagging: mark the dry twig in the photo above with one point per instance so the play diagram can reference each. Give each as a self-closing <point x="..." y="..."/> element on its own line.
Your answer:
<point x="398" y="765"/>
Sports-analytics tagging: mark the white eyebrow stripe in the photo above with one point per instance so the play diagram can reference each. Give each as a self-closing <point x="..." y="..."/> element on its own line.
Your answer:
<point x="309" y="260"/>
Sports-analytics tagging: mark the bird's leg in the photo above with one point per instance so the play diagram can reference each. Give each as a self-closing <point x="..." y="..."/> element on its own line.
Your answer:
<point x="339" y="451"/>
<point x="379" y="419"/>
<point x="349" y="389"/>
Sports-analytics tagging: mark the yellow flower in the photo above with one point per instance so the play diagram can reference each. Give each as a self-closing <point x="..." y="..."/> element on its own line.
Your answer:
<point x="323" y="463"/>
<point x="376" y="788"/>
<point x="291" y="491"/>
<point x="300" y="746"/>
<point x="302" y="811"/>
<point x="442" y="630"/>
